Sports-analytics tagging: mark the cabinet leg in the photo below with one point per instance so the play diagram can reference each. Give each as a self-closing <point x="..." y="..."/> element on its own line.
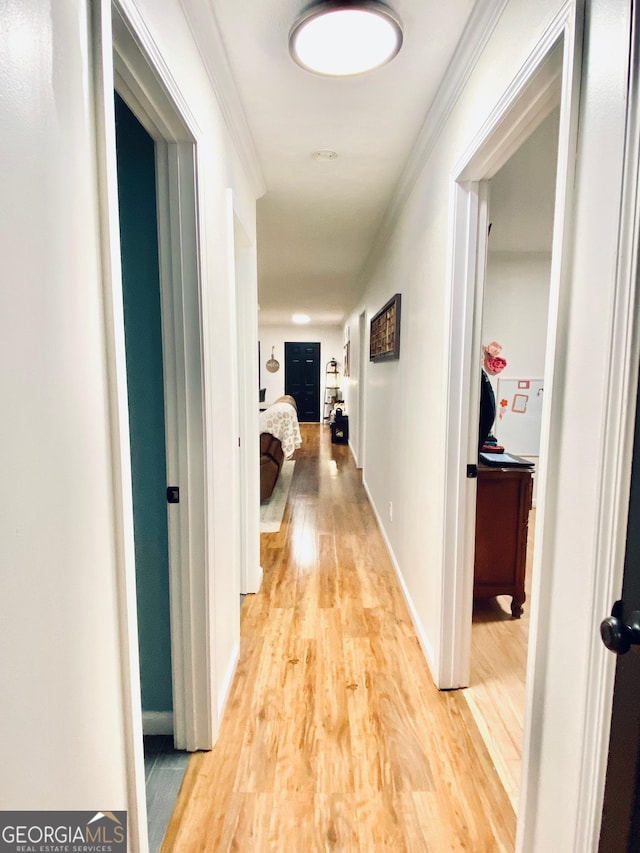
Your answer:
<point x="516" y="607"/>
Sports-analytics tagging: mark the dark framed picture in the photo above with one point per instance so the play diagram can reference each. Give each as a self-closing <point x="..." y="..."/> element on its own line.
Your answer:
<point x="384" y="341"/>
<point x="347" y="359"/>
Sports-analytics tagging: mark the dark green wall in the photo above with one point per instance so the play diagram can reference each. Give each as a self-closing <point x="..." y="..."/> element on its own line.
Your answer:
<point x="143" y="338"/>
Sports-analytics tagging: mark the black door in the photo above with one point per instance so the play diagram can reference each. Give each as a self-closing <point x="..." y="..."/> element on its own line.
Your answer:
<point x="302" y="378"/>
<point x="620" y="831"/>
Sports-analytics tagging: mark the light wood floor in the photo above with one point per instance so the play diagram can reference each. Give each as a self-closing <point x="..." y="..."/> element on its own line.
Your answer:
<point x="496" y="693"/>
<point x="334" y="737"/>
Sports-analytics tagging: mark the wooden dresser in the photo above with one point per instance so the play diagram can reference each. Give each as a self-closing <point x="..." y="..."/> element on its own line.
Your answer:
<point x="502" y="520"/>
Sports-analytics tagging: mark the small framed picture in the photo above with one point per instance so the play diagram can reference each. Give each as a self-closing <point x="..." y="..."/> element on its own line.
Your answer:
<point x="519" y="405"/>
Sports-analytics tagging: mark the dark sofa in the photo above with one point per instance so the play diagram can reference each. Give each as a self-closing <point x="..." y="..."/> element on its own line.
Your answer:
<point x="271" y="459"/>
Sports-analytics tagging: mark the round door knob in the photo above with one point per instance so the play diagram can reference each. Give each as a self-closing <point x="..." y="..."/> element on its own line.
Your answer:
<point x="616" y="636"/>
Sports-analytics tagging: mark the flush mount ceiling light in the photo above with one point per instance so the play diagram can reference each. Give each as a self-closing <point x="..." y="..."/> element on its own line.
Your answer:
<point x="342" y="38"/>
<point x="300" y="318"/>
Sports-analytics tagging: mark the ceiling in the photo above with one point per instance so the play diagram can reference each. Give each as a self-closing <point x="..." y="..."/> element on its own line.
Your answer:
<point x="318" y="220"/>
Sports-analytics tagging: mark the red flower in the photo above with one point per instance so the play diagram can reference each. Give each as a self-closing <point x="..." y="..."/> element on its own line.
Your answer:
<point x="494" y="364"/>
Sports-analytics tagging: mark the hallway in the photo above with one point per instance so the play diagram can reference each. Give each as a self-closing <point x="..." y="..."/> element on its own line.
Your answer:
<point x="334" y="737"/>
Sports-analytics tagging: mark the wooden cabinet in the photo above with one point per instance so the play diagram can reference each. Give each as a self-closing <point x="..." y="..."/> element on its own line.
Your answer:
<point x="502" y="521"/>
<point x="339" y="429"/>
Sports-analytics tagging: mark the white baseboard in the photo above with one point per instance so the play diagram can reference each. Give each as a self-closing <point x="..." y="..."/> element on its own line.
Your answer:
<point x="157" y="722"/>
<point x="424" y="643"/>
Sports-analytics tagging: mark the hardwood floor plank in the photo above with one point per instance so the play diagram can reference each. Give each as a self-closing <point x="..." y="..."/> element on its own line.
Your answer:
<point x="381" y="825"/>
<point x="496" y="693"/>
<point x="394" y="704"/>
<point x="188" y="783"/>
<point x="336" y="827"/>
<point x="366" y="754"/>
<point x="327" y="571"/>
<point x="297" y="743"/>
<point x="263" y="724"/>
<point x="334" y="737"/>
<point x="334" y="767"/>
<point x="241" y="828"/>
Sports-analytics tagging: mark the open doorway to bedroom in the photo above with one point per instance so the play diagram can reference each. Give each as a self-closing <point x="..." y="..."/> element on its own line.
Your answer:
<point x="515" y="314"/>
<point x="145" y="356"/>
<point x="158" y="120"/>
<point x="547" y="81"/>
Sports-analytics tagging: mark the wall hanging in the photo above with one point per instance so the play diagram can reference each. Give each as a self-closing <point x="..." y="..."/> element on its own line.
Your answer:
<point x="384" y="341"/>
<point x="273" y="366"/>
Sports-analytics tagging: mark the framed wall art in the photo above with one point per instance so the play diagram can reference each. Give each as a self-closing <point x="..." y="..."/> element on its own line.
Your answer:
<point x="347" y="352"/>
<point x="384" y="341"/>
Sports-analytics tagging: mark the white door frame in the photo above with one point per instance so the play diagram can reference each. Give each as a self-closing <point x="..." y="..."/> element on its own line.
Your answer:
<point x="243" y="284"/>
<point x="127" y="59"/>
<point x="362" y="367"/>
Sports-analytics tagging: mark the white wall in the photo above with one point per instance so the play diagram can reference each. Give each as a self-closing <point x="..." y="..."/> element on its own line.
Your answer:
<point x="522" y="193"/>
<point x="59" y="669"/>
<point x="61" y="687"/>
<point x="515" y="313"/>
<point x="518" y="272"/>
<point x="407" y="466"/>
<point x="331" y="343"/>
<point x="516" y="290"/>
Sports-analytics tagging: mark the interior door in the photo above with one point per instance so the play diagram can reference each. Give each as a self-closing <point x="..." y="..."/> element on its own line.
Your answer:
<point x="145" y="384"/>
<point x="302" y="378"/>
<point x="620" y="830"/>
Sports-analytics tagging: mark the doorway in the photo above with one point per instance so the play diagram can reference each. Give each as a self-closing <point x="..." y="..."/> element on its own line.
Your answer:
<point x="123" y="62"/>
<point x="137" y="206"/>
<point x="547" y="79"/>
<point x="137" y="200"/>
<point x="153" y="99"/>
<point x="362" y="360"/>
<point x="302" y="378"/>
<point x="515" y="314"/>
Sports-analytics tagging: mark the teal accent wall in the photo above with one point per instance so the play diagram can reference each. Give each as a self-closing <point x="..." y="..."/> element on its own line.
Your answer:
<point x="143" y="339"/>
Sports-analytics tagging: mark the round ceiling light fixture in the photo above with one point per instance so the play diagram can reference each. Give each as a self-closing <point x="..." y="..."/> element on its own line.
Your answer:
<point x="301" y="319"/>
<point x="341" y="38"/>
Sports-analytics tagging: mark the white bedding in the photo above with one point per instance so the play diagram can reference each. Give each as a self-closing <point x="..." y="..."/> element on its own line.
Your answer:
<point x="281" y="420"/>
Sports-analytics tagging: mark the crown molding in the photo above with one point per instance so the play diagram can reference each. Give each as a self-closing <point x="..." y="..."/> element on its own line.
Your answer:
<point x="478" y="29"/>
<point x="208" y="39"/>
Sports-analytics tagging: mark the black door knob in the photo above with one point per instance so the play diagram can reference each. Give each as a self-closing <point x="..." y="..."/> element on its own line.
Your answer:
<point x="615" y="635"/>
<point x="618" y="635"/>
